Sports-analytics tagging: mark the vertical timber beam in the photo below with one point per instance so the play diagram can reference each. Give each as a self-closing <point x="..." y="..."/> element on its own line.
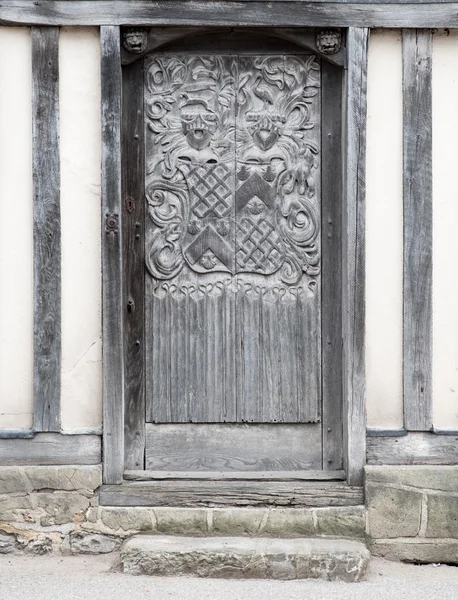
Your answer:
<point x="113" y="380"/>
<point x="133" y="194"/>
<point x="417" y="79"/>
<point x="354" y="385"/>
<point x="331" y="277"/>
<point x="46" y="229"/>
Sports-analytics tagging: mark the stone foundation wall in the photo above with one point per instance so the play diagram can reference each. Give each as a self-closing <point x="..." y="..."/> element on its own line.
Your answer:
<point x="55" y="509"/>
<point x="412" y="513"/>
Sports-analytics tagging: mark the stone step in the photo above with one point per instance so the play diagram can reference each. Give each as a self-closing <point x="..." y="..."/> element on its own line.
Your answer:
<point x="245" y="558"/>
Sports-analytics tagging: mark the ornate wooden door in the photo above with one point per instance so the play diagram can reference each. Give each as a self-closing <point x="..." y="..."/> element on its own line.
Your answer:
<point x="233" y="257"/>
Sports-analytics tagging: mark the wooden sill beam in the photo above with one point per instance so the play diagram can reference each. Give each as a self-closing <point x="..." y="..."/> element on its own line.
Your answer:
<point x="313" y="13"/>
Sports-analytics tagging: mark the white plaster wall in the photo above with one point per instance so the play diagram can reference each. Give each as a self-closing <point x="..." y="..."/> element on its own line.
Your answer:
<point x="384" y="234"/>
<point x="16" y="230"/>
<point x="445" y="230"/>
<point x="79" y="63"/>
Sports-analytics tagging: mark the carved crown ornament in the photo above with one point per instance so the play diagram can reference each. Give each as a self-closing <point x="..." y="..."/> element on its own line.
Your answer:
<point x="135" y="40"/>
<point x="328" y="41"/>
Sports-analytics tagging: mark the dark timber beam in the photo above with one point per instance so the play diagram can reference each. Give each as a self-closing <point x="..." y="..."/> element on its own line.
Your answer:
<point x="314" y="13"/>
<point x="133" y="193"/>
<point x="418" y="235"/>
<point x="113" y="380"/>
<point x="46" y="229"/>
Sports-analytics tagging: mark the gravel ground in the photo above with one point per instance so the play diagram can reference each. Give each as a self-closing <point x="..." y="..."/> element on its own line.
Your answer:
<point x="89" y="577"/>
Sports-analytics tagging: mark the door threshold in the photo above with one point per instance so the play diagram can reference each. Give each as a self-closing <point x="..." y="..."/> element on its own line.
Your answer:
<point x="236" y="475"/>
<point x="226" y="492"/>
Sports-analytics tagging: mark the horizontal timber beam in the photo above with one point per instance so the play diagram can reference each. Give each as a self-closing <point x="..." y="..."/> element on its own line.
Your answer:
<point x="51" y="449"/>
<point x="315" y="13"/>
<point x="195" y="493"/>
<point x="415" y="448"/>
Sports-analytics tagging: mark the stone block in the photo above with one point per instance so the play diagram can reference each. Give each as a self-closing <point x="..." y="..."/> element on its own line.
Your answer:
<point x="242" y="557"/>
<point x="29" y="479"/>
<point x="238" y="521"/>
<point x="181" y="521"/>
<point x="341" y="521"/>
<point x="442" y="516"/>
<point x="61" y="507"/>
<point x="15" y="502"/>
<point x="126" y="518"/>
<point x="39" y="546"/>
<point x="392" y="512"/>
<point x="289" y="522"/>
<point x="92" y="543"/>
<point x="433" y="477"/>
<point x="333" y="560"/>
<point x="7" y="543"/>
<point x="417" y="550"/>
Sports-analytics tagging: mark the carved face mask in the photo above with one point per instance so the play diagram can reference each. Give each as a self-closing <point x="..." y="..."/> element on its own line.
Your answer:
<point x="199" y="129"/>
<point x="135" y="42"/>
<point x="265" y="129"/>
<point x="328" y="41"/>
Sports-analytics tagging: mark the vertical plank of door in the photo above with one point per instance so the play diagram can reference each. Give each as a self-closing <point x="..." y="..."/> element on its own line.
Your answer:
<point x="354" y="257"/>
<point x="46" y="229"/>
<point x="417" y="82"/>
<point x="331" y="272"/>
<point x="133" y="196"/>
<point x="113" y="392"/>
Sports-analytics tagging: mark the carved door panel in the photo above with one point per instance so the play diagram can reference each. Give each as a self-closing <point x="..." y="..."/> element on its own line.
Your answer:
<point x="232" y="294"/>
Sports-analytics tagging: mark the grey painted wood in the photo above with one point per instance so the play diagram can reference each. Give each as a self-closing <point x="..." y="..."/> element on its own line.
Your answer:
<point x="233" y="239"/>
<point x="226" y="447"/>
<point x="354" y="257"/>
<point x="51" y="449"/>
<point x="235" y="475"/>
<point x="416" y="448"/>
<point x="313" y="13"/>
<point x="133" y="194"/>
<point x="230" y="493"/>
<point x="113" y="392"/>
<point x="418" y="234"/>
<point x="46" y="229"/>
<point x="331" y="280"/>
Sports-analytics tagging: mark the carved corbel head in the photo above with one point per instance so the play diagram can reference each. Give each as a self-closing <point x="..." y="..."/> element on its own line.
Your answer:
<point x="135" y="40"/>
<point x="328" y="41"/>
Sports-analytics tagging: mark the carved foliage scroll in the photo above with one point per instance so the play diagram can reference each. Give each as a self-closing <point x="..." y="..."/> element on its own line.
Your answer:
<point x="231" y="181"/>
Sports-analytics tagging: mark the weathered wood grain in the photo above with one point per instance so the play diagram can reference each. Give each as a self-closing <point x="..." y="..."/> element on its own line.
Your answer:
<point x="235" y="475"/>
<point x="416" y="448"/>
<point x="112" y="301"/>
<point x="46" y="229"/>
<point x="226" y="447"/>
<point x="354" y="257"/>
<point x="233" y="323"/>
<point x="312" y="13"/>
<point x="51" y="449"/>
<point x="133" y="196"/>
<point x="418" y="230"/>
<point x="331" y="278"/>
<point x="230" y="493"/>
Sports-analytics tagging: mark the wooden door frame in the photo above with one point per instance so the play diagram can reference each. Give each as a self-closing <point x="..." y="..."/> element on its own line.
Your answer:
<point x="117" y="203"/>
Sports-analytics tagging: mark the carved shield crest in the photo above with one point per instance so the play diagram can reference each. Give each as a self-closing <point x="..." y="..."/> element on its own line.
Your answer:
<point x="232" y="176"/>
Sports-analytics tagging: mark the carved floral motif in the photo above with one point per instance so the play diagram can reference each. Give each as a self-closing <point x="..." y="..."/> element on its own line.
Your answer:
<point x="111" y="223"/>
<point x="231" y="180"/>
